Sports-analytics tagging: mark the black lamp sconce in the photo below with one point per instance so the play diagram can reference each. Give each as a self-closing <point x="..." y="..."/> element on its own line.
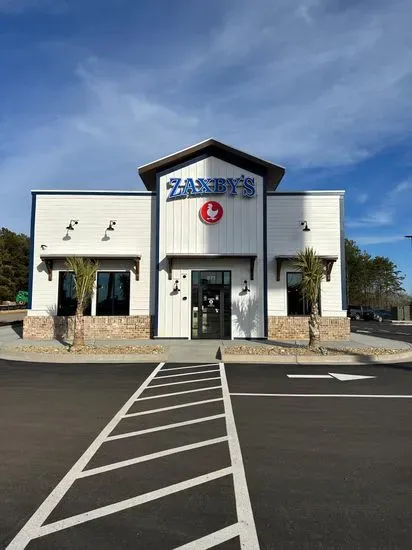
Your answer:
<point x="305" y="225"/>
<point x="176" y="286"/>
<point x="245" y="287"/>
<point x="71" y="225"/>
<point x="111" y="225"/>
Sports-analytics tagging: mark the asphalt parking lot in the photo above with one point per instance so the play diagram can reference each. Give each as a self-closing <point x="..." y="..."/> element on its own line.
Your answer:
<point x="383" y="330"/>
<point x="319" y="460"/>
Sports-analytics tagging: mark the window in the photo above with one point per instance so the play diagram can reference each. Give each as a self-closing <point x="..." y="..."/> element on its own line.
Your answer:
<point x="297" y="304"/>
<point x="66" y="302"/>
<point x="113" y="293"/>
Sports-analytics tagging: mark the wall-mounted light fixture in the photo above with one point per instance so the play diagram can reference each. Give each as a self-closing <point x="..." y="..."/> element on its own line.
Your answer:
<point x="111" y="225"/>
<point x="176" y="286"/>
<point x="245" y="287"/>
<point x="43" y="246"/>
<point x="71" y="225"/>
<point x="305" y="225"/>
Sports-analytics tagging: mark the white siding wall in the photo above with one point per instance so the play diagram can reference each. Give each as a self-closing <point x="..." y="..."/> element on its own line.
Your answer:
<point x="132" y="235"/>
<point x="285" y="236"/>
<point x="239" y="231"/>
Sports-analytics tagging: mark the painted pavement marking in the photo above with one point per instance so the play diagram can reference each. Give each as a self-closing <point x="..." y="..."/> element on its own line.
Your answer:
<point x="31" y="529"/>
<point x="145" y="458"/>
<point x="177" y="393"/>
<point x="339" y="376"/>
<point x="187" y="374"/>
<point x="182" y="406"/>
<point x="191" y="367"/>
<point x="248" y="534"/>
<point x="245" y="528"/>
<point x="183" y="382"/>
<point x="374" y="396"/>
<point x="218" y="537"/>
<point x="131" y="502"/>
<point x="165" y="427"/>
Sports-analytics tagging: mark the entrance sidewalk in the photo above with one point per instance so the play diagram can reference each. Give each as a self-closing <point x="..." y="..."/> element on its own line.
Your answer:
<point x="12" y="346"/>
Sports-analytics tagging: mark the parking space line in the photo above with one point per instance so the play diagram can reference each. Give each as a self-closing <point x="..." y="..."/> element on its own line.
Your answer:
<point x="192" y="367"/>
<point x="218" y="537"/>
<point x="176" y="393"/>
<point x="152" y="456"/>
<point x="187" y="374"/>
<point x="184" y="382"/>
<point x="162" y="409"/>
<point x="248" y="534"/>
<point x="131" y="502"/>
<point x="165" y="427"/>
<point x="374" y="396"/>
<point x="32" y="526"/>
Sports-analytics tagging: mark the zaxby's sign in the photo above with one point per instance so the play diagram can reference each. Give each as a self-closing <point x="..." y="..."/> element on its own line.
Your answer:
<point x="243" y="186"/>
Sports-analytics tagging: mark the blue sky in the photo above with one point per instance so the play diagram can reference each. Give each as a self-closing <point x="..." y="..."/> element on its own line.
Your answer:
<point x="91" y="89"/>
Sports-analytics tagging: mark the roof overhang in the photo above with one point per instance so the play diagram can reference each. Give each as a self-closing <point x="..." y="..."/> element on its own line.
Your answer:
<point x="171" y="257"/>
<point x="49" y="260"/>
<point x="328" y="262"/>
<point x="272" y="173"/>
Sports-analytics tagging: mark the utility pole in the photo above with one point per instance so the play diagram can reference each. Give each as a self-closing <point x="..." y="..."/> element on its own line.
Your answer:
<point x="409" y="237"/>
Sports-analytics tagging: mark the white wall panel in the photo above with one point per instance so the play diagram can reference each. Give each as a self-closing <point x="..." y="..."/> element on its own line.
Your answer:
<point x="285" y="236"/>
<point x="181" y="231"/>
<point x="133" y="234"/>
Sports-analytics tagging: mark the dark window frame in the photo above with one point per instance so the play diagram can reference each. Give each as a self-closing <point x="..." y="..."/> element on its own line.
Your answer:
<point x="112" y="308"/>
<point x="69" y="308"/>
<point x="304" y="305"/>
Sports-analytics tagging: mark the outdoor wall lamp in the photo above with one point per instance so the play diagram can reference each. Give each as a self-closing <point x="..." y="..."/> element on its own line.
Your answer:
<point x="245" y="287"/>
<point x="305" y="226"/>
<point x="71" y="225"/>
<point x="112" y="223"/>
<point x="176" y="286"/>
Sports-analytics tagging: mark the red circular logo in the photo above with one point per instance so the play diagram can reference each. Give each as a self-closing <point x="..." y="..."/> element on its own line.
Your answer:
<point x="211" y="212"/>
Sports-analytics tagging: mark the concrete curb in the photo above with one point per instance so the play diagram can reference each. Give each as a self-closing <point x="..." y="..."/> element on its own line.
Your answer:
<point x="76" y="358"/>
<point x="323" y="360"/>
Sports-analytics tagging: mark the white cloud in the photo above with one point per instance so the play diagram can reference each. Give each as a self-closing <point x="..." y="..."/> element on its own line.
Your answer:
<point x="361" y="198"/>
<point x="403" y="186"/>
<point x="303" y="83"/>
<point x="377" y="218"/>
<point x="376" y="239"/>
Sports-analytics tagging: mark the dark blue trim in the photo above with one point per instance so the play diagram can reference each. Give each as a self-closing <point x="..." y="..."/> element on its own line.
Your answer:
<point x="31" y="254"/>
<point x="157" y="260"/>
<point x="97" y="193"/>
<point x="265" y="260"/>
<point x="313" y="193"/>
<point x="180" y="166"/>
<point x="343" y="254"/>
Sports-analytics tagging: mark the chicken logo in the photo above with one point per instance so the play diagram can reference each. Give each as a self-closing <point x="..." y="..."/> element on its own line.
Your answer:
<point x="211" y="212"/>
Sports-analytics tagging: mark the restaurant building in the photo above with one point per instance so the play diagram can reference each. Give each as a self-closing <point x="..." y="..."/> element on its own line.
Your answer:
<point x="207" y="251"/>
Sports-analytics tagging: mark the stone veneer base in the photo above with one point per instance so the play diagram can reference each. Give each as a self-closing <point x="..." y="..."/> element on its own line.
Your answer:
<point x="95" y="328"/>
<point x="296" y="328"/>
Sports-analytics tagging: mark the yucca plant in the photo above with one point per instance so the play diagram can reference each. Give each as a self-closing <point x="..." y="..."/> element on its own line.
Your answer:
<point x="311" y="267"/>
<point x="84" y="271"/>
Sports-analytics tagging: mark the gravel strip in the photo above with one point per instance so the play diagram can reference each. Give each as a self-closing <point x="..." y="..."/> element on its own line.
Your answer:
<point x="94" y="350"/>
<point x="304" y="350"/>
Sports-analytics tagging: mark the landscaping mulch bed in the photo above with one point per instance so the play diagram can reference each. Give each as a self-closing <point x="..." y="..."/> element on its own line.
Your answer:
<point x="304" y="350"/>
<point x="94" y="350"/>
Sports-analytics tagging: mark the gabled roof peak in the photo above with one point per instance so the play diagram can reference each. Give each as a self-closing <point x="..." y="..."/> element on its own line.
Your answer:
<point x="212" y="147"/>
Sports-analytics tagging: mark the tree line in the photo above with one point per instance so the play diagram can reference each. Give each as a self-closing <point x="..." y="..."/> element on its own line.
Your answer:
<point x="373" y="281"/>
<point x="14" y="263"/>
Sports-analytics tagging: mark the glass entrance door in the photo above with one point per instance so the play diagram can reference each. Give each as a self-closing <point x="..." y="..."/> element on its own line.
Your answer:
<point x="211" y="304"/>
